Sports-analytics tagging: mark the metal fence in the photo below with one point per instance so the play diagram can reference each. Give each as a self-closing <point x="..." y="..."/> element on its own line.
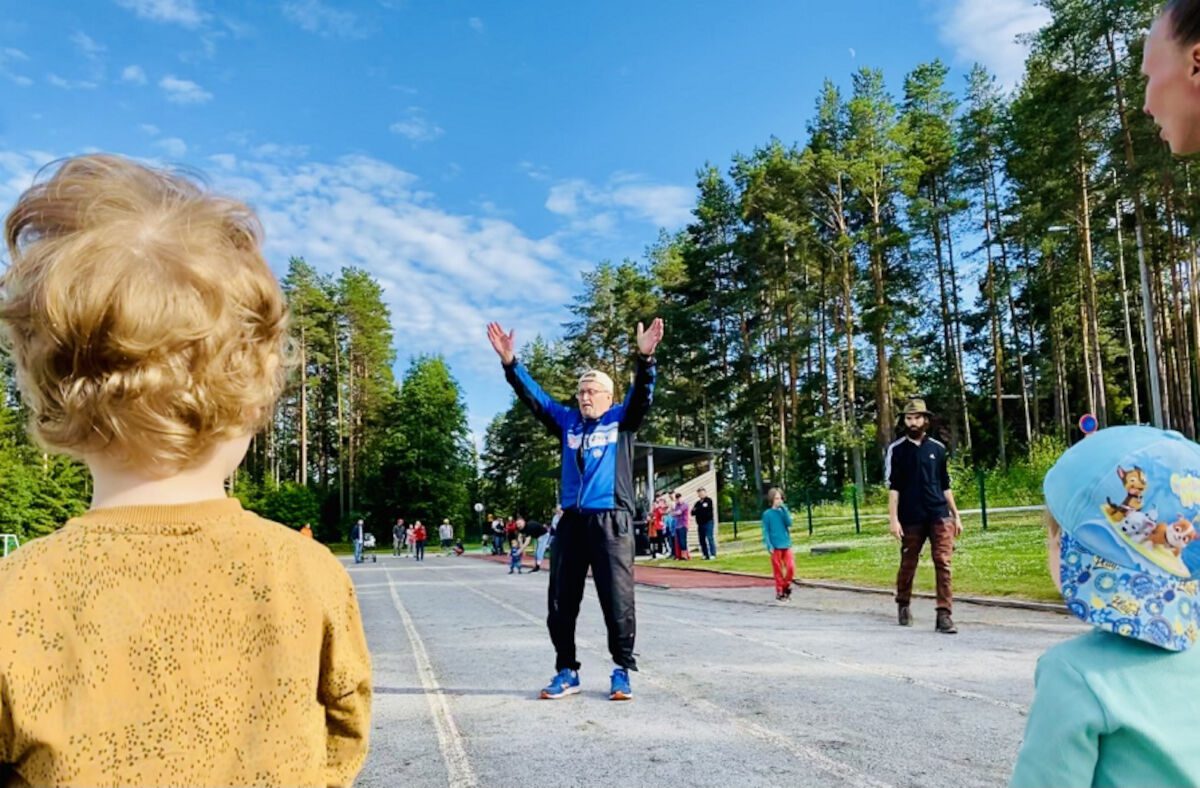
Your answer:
<point x="858" y="516"/>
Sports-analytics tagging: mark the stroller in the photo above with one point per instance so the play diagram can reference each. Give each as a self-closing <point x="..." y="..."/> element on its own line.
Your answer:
<point x="369" y="548"/>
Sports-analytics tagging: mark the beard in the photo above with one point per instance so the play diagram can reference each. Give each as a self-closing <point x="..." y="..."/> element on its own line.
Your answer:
<point x="915" y="432"/>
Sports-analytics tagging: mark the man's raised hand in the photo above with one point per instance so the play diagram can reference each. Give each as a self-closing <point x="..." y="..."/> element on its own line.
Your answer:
<point x="648" y="338"/>
<point x="502" y="343"/>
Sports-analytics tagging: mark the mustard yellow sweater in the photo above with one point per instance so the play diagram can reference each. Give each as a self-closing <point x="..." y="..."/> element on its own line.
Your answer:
<point x="180" y="645"/>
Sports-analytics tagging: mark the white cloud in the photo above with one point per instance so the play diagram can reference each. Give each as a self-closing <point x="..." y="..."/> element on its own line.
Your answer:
<point x="535" y="171"/>
<point x="592" y="208"/>
<point x="476" y="24"/>
<point x="179" y="12"/>
<point x="668" y="206"/>
<point x="183" y="91"/>
<point x="134" y="74"/>
<point x="317" y="17"/>
<point x="87" y="45"/>
<point x="9" y="56"/>
<point x="17" y="171"/>
<point x="416" y="127"/>
<point x="149" y="128"/>
<point x="70" y="84"/>
<point x="173" y="147"/>
<point x="564" y="197"/>
<point x="273" y="151"/>
<point x="445" y="275"/>
<point x="985" y="31"/>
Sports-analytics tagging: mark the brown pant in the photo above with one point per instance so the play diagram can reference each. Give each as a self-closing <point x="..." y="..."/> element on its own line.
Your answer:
<point x="940" y="534"/>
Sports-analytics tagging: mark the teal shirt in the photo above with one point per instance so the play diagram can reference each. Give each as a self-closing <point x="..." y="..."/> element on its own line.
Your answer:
<point x="775" y="525"/>
<point x="1112" y="711"/>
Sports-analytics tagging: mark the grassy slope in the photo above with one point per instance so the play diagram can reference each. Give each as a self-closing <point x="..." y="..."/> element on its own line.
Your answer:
<point x="1009" y="559"/>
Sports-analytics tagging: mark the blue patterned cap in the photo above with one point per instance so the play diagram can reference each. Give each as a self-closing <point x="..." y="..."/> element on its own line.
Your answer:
<point x="1128" y="499"/>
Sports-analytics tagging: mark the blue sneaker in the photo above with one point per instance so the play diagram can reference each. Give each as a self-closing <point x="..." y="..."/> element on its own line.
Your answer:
<point x="620" y="685"/>
<point x="564" y="683"/>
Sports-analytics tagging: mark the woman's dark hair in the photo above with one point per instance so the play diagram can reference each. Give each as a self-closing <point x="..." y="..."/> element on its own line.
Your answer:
<point x="1184" y="16"/>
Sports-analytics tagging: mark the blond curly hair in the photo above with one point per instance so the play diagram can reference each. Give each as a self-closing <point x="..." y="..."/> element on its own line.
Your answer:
<point x="143" y="321"/>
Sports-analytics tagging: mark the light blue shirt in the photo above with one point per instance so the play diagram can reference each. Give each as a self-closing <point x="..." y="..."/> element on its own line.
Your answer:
<point x="1112" y="711"/>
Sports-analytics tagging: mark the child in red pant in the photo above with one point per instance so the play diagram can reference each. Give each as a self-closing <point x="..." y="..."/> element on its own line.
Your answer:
<point x="778" y="539"/>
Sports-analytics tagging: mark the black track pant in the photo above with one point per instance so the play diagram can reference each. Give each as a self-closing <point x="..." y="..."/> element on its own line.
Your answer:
<point x="602" y="541"/>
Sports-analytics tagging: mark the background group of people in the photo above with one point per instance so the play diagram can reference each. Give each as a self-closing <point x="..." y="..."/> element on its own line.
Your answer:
<point x="669" y="523"/>
<point x="407" y="539"/>
<point x="519" y="533"/>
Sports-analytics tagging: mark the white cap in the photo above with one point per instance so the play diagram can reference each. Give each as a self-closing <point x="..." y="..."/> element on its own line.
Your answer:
<point x="597" y="377"/>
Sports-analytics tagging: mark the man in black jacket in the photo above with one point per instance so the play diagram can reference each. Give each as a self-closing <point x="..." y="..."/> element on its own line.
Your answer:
<point x="921" y="506"/>
<point x="703" y="512"/>
<point x="596" y="529"/>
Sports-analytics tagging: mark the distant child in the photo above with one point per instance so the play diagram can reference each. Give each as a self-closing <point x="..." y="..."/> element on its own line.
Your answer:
<point x="669" y="528"/>
<point x="515" y="553"/>
<point x="165" y="636"/>
<point x="777" y="538"/>
<point x="419" y="537"/>
<point x="399" y="534"/>
<point x="681" y="512"/>
<point x="1114" y="706"/>
<point x="654" y="528"/>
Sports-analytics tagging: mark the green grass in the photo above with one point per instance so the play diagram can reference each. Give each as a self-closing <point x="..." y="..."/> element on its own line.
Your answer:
<point x="1009" y="559"/>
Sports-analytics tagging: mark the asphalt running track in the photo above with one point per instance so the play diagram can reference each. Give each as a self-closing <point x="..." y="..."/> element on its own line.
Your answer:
<point x="735" y="689"/>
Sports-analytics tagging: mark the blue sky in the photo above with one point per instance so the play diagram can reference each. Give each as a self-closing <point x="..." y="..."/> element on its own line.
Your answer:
<point x="474" y="156"/>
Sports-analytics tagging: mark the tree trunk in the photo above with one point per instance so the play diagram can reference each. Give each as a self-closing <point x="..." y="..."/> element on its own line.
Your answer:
<point x="1139" y="214"/>
<point x="1089" y="271"/>
<point x="883" y="378"/>
<point x="303" y="408"/>
<point x="352" y="420"/>
<point x="851" y="371"/>
<point x="1033" y="363"/>
<point x="994" y="320"/>
<point x="947" y="331"/>
<point x="341" y="421"/>
<point x="958" y="345"/>
<point x="1133" y="376"/>
<point x="1006" y="277"/>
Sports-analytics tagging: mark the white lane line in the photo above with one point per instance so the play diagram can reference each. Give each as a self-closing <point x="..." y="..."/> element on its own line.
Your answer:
<point x="404" y="583"/>
<point x="450" y="741"/>
<point x="814" y="757"/>
<point x="856" y="666"/>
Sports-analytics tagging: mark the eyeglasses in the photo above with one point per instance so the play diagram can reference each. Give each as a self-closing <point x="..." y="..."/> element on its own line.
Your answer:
<point x="589" y="393"/>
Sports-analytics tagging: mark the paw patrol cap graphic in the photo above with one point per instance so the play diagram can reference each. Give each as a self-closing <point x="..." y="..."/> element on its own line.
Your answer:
<point x="1128" y="501"/>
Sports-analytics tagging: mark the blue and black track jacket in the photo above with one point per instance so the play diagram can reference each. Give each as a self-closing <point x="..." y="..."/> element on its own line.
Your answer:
<point x="597" y="454"/>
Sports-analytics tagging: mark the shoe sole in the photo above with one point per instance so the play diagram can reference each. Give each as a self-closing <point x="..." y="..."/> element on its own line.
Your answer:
<point x="621" y="696"/>
<point x="568" y="691"/>
<point x="948" y="631"/>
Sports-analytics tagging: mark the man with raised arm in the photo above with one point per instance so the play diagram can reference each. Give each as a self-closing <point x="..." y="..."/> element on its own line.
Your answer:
<point x="596" y="529"/>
